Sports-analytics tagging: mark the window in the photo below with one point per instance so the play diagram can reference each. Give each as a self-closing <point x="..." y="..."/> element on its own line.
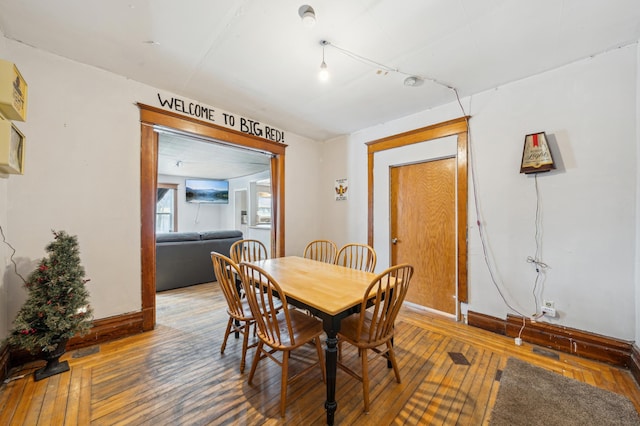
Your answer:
<point x="262" y="200"/>
<point x="166" y="208"/>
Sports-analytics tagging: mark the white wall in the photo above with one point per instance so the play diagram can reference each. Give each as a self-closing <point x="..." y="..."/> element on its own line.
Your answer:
<point x="195" y="216"/>
<point x="5" y="273"/>
<point x="637" y="336"/>
<point x="345" y="221"/>
<point x="213" y="217"/>
<point x="304" y="207"/>
<point x="589" y="111"/>
<point x="82" y="174"/>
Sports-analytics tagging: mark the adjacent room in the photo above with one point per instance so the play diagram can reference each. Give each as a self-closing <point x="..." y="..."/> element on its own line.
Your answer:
<point x="350" y="213"/>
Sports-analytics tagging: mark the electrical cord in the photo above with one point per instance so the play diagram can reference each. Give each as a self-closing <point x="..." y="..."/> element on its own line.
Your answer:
<point x="13" y="252"/>
<point x="384" y="67"/>
<point x="483" y="237"/>
<point x="539" y="266"/>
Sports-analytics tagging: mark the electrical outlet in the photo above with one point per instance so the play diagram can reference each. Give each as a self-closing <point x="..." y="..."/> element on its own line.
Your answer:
<point x="549" y="311"/>
<point x="549" y="304"/>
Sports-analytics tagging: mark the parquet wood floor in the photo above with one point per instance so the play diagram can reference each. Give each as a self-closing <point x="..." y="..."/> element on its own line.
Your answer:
<point x="175" y="375"/>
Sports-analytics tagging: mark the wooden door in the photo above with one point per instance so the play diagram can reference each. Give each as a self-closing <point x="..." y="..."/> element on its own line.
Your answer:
<point x="423" y="230"/>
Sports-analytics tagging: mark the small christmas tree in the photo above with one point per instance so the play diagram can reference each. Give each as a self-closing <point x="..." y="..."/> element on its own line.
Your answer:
<point x="57" y="307"/>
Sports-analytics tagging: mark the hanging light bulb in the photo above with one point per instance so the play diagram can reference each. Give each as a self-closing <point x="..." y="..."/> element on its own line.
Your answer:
<point x="323" y="75"/>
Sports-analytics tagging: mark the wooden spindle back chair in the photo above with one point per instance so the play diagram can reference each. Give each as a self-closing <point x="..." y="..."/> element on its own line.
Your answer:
<point x="357" y="256"/>
<point x="248" y="250"/>
<point x="321" y="250"/>
<point x="240" y="317"/>
<point x="278" y="329"/>
<point x="373" y="328"/>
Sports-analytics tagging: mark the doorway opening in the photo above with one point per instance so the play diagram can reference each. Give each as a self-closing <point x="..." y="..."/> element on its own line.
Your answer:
<point x="379" y="237"/>
<point x="152" y="118"/>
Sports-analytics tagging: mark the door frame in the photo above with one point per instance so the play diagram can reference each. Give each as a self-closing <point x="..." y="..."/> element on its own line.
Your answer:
<point x="151" y="117"/>
<point x="457" y="127"/>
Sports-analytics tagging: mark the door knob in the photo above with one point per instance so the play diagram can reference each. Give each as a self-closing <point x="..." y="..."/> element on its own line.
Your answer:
<point x="394" y="241"/>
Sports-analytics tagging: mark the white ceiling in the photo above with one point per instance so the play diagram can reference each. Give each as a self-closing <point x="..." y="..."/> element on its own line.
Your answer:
<point x="183" y="155"/>
<point x="255" y="58"/>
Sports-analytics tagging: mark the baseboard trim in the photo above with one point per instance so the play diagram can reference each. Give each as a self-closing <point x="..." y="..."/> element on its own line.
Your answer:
<point x="635" y="363"/>
<point x="4" y="361"/>
<point x="103" y="330"/>
<point x="486" y="322"/>
<point x="564" y="339"/>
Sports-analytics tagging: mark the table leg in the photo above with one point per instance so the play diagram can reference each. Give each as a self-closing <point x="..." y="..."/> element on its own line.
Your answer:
<point x="331" y="360"/>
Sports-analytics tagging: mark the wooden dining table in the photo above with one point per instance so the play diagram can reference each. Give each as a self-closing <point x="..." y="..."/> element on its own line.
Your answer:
<point x="330" y="292"/>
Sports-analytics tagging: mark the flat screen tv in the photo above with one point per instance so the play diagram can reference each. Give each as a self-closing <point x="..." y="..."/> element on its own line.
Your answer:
<point x="211" y="191"/>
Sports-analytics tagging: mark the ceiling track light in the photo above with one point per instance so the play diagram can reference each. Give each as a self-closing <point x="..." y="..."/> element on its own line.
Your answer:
<point x="308" y="15"/>
<point x="323" y="75"/>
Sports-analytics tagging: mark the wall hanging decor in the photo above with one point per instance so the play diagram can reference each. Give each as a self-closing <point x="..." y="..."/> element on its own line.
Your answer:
<point x="11" y="148"/>
<point x="13" y="92"/>
<point x="536" y="155"/>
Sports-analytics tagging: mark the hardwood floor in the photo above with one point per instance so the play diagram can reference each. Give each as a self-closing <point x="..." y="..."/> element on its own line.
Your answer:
<point x="175" y="375"/>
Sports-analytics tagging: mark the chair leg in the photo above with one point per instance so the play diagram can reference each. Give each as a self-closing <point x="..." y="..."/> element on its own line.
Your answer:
<point x="392" y="358"/>
<point x="321" y="359"/>
<point x="283" y="384"/>
<point x="365" y="379"/>
<point x="256" y="358"/>
<point x="245" y="344"/>
<point x="226" y="335"/>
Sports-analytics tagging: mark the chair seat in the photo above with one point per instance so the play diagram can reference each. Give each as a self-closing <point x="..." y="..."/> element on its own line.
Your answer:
<point x="349" y="331"/>
<point x="304" y="328"/>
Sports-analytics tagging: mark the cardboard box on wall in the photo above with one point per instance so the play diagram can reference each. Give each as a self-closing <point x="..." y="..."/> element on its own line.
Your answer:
<point x="13" y="92"/>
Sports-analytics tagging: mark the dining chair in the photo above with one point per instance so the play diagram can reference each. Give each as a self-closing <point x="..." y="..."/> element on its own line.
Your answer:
<point x="240" y="317"/>
<point x="248" y="250"/>
<point x="279" y="330"/>
<point x="373" y="328"/>
<point x="321" y="250"/>
<point x="357" y="256"/>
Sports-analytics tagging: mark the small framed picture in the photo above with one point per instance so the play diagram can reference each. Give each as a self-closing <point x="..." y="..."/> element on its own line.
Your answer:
<point x="12" y="143"/>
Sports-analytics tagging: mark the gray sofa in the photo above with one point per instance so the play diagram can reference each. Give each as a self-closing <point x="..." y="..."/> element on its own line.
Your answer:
<point x="184" y="259"/>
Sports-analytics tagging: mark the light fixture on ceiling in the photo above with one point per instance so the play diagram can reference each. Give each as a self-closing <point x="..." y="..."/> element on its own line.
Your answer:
<point x="308" y="15"/>
<point x="413" y="81"/>
<point x="323" y="75"/>
<point x="381" y="69"/>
